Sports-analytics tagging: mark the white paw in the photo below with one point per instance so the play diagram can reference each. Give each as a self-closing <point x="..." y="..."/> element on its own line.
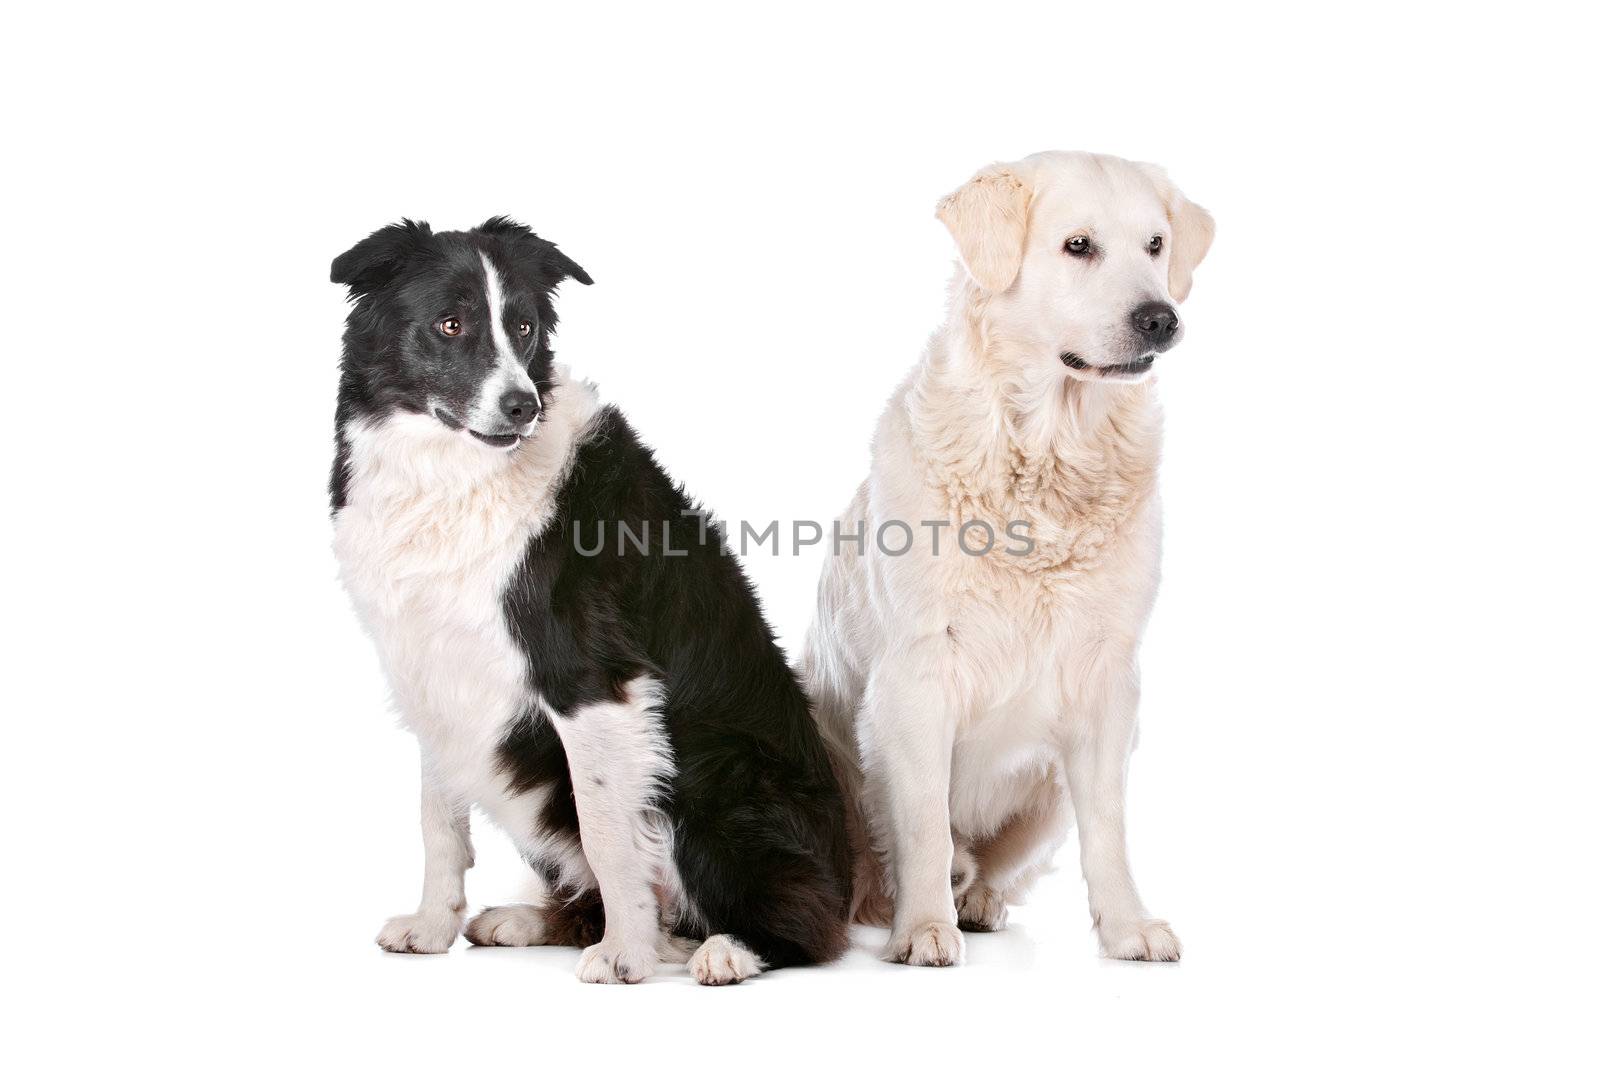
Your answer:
<point x="935" y="944"/>
<point x="980" y="909"/>
<point x="723" y="961"/>
<point x="515" y="925"/>
<point x="427" y="932"/>
<point x="613" y="963"/>
<point x="1139" y="939"/>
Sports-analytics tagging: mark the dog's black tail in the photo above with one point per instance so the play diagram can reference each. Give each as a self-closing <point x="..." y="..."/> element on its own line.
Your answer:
<point x="761" y="847"/>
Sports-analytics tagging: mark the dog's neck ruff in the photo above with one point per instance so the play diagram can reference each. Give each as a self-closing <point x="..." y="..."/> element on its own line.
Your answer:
<point x="1003" y="438"/>
<point x="425" y="499"/>
<point x="407" y="454"/>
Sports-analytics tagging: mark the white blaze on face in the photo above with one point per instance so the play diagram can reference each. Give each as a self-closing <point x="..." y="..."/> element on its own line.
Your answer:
<point x="509" y="374"/>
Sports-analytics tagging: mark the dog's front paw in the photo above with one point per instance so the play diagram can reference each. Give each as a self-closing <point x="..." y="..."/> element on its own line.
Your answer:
<point x="1139" y="939"/>
<point x="935" y="944"/>
<point x="424" y="932"/>
<point x="614" y="963"/>
<point x="982" y="909"/>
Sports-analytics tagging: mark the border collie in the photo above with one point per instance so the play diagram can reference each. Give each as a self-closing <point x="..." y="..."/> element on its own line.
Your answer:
<point x="624" y="715"/>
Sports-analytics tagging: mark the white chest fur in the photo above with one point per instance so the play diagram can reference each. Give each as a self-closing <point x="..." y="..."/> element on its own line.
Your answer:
<point x="433" y="528"/>
<point x="1023" y="648"/>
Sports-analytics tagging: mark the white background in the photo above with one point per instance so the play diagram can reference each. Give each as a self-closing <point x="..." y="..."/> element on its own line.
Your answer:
<point x="1365" y="795"/>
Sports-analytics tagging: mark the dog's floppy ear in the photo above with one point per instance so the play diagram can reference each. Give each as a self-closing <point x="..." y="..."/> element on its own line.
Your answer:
<point x="549" y="261"/>
<point x="563" y="263"/>
<point x="375" y="262"/>
<point x="988" y="217"/>
<point x="1192" y="230"/>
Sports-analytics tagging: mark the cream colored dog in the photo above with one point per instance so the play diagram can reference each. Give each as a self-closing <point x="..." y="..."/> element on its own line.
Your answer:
<point x="976" y="698"/>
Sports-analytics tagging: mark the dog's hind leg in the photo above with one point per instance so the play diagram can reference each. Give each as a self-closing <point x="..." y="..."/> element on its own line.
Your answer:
<point x="781" y="902"/>
<point x="870" y="903"/>
<point x="1004" y="864"/>
<point x="578" y="922"/>
<point x="764" y="861"/>
<point x="834" y="681"/>
<point x="835" y="689"/>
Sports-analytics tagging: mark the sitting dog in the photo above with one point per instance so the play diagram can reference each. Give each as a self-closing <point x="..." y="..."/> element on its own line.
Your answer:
<point x="620" y="711"/>
<point x="976" y="697"/>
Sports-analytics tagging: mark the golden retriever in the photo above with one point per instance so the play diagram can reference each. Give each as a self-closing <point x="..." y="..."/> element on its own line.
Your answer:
<point x="974" y="660"/>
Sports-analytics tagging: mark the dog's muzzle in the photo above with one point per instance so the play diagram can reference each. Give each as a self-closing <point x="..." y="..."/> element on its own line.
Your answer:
<point x="1115" y="370"/>
<point x="496" y="440"/>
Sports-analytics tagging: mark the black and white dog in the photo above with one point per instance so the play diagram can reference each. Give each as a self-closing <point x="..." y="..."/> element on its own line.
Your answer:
<point x="624" y="715"/>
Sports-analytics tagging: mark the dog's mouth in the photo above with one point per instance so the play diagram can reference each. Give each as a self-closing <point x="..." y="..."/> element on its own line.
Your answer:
<point x="1132" y="369"/>
<point x="494" y="440"/>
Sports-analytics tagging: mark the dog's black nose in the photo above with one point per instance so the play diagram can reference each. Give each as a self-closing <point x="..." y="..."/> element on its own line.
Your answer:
<point x="1156" y="321"/>
<point x="519" y="406"/>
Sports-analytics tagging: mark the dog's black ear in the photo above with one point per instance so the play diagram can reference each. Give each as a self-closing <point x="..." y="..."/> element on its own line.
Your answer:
<point x="504" y="226"/>
<point x="567" y="267"/>
<point x="375" y="262"/>
<point x="548" y="262"/>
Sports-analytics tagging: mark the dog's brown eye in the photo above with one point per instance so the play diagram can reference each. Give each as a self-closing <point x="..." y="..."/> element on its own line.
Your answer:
<point x="1155" y="245"/>
<point x="524" y="328"/>
<point x="450" y="326"/>
<point x="1078" y="246"/>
